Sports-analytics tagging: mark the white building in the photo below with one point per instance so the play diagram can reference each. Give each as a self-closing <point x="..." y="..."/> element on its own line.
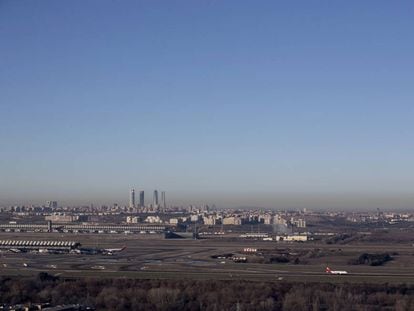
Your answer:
<point x="209" y="221"/>
<point x="292" y="238"/>
<point x="132" y="219"/>
<point x="232" y="221"/>
<point x="174" y="221"/>
<point x="195" y="218"/>
<point x="153" y="220"/>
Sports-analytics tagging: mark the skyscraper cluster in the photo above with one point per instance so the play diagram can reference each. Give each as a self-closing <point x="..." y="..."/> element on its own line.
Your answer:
<point x="52" y="204"/>
<point x="156" y="204"/>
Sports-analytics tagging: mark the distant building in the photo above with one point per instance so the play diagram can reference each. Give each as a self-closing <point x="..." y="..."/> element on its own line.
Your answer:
<point x="153" y="219"/>
<point x="292" y="238"/>
<point x="232" y="221"/>
<point x="155" y="199"/>
<point x="62" y="218"/>
<point x="195" y="218"/>
<point x="174" y="221"/>
<point x="51" y="204"/>
<point x="254" y="235"/>
<point x="132" y="219"/>
<point x="267" y="219"/>
<point x="141" y="199"/>
<point x="132" y="198"/>
<point x="279" y="220"/>
<point x="209" y="221"/>
<point x="300" y="223"/>
<point x="163" y="200"/>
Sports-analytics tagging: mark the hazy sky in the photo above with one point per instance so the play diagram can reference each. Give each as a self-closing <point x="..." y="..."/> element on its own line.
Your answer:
<point x="238" y="103"/>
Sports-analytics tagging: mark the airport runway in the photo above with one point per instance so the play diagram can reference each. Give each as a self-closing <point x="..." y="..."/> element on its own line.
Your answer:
<point x="177" y="259"/>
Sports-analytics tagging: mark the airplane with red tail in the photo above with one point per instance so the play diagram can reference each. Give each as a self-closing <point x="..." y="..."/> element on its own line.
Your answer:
<point x="328" y="270"/>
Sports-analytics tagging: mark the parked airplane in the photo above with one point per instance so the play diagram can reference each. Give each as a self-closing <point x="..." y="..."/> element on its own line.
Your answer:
<point x="85" y="251"/>
<point x="111" y="251"/>
<point x="51" y="251"/>
<point x="328" y="270"/>
<point x="96" y="251"/>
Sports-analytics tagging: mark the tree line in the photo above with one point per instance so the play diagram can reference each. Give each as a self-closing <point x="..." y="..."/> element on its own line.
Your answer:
<point x="209" y="295"/>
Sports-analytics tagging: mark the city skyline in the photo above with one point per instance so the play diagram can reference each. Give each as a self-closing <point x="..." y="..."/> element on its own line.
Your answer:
<point x="239" y="104"/>
<point x="281" y="201"/>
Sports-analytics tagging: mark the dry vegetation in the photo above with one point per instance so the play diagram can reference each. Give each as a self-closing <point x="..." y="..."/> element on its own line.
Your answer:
<point x="127" y="294"/>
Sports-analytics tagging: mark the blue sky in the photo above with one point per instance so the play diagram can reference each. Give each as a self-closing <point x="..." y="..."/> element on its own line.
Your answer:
<point x="238" y="103"/>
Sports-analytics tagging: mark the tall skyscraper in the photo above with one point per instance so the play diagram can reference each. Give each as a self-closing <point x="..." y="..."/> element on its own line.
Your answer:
<point x="132" y="198"/>
<point x="155" y="199"/>
<point x="141" y="199"/>
<point x="51" y="204"/>
<point x="163" y="201"/>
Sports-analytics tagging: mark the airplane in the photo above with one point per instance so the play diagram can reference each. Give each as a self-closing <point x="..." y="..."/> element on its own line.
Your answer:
<point x="111" y="251"/>
<point x="328" y="270"/>
<point x="85" y="251"/>
<point x="95" y="251"/>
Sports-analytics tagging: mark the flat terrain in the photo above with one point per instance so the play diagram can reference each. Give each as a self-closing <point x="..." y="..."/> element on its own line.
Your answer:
<point x="152" y="256"/>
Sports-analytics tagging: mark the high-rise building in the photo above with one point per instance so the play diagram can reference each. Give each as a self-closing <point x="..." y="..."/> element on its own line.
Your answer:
<point x="163" y="201"/>
<point x="132" y="198"/>
<point x="141" y="199"/>
<point x="51" y="204"/>
<point x="155" y="199"/>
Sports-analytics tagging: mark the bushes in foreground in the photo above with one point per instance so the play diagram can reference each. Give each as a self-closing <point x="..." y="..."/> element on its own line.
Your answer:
<point x="132" y="294"/>
<point x="372" y="259"/>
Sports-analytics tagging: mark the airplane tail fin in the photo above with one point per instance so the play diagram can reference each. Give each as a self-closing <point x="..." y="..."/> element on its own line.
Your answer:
<point x="328" y="270"/>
